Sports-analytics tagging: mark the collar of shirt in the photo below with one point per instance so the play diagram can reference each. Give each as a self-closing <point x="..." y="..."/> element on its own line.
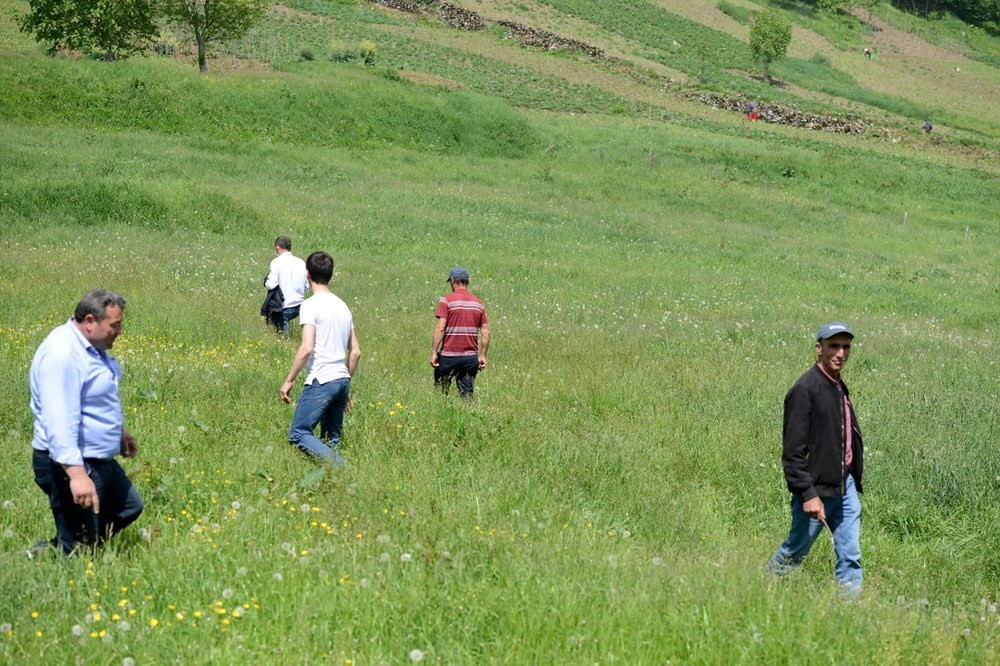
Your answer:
<point x="837" y="382"/>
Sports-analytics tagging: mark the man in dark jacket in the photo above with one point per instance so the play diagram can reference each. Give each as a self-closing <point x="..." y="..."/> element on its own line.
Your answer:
<point x="822" y="454"/>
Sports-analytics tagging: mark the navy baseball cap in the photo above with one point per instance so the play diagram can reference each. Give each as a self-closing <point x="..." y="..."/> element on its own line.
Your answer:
<point x="832" y="329"/>
<point x="458" y="273"/>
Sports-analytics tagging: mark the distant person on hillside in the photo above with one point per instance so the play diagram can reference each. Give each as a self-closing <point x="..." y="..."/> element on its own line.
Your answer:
<point x="752" y="110"/>
<point x="287" y="274"/>
<point x="456" y="349"/>
<point x="869" y="54"/>
<point x="330" y="353"/>
<point x="822" y="454"/>
<point x="928" y="127"/>
<point x="80" y="427"/>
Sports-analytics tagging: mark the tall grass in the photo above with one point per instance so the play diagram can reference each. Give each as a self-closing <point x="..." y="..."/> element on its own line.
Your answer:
<point x="614" y="490"/>
<point x="346" y="108"/>
<point x="615" y="487"/>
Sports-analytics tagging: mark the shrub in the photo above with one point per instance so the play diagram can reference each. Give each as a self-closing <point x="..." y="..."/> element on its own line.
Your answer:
<point x="343" y="56"/>
<point x="307" y="54"/>
<point x="367" y="50"/>
<point x="165" y="44"/>
<point x="819" y="59"/>
<point x="391" y="75"/>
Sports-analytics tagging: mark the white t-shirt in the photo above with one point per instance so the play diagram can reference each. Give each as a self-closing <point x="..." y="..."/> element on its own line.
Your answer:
<point x="333" y="322"/>
<point x="288" y="272"/>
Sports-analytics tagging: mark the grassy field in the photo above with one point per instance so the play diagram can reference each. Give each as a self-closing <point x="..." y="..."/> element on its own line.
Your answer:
<point x="653" y="290"/>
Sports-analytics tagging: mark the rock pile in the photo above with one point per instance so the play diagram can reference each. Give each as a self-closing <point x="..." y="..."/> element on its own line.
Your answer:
<point x="464" y="19"/>
<point x="459" y="18"/>
<point x="402" y="5"/>
<point x="781" y="114"/>
<point x="550" y="41"/>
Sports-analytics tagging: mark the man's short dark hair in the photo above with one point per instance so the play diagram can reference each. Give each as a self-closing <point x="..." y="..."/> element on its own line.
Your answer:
<point x="96" y="303"/>
<point x="460" y="281"/>
<point x="284" y="242"/>
<point x="320" y="267"/>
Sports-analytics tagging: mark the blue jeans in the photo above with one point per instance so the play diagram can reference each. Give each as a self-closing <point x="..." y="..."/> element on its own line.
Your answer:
<point x="843" y="515"/>
<point x="287" y="315"/>
<point x="323" y="405"/>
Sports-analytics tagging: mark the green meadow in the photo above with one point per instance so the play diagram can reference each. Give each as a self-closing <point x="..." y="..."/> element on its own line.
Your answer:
<point x="654" y="272"/>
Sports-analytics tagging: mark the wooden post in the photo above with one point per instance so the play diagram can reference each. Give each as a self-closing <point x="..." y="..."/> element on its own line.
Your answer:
<point x="713" y="173"/>
<point x="906" y="217"/>
<point x="649" y="159"/>
<point x="967" y="233"/>
<point x="600" y="152"/>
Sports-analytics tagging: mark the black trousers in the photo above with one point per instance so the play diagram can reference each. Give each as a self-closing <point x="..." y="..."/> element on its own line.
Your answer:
<point x="462" y="368"/>
<point x="120" y="503"/>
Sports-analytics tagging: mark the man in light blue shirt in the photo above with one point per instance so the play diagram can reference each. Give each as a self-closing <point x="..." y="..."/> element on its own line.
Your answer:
<point x="79" y="425"/>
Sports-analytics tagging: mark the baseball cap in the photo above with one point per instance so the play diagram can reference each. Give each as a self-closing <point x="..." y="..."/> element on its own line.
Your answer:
<point x="458" y="273"/>
<point x="832" y="329"/>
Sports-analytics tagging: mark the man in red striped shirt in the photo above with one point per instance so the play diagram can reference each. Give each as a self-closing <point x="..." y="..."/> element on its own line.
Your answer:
<point x="457" y="350"/>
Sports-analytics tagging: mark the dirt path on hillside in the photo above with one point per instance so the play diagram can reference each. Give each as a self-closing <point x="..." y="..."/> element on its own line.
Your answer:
<point x="545" y="17"/>
<point x="894" y="40"/>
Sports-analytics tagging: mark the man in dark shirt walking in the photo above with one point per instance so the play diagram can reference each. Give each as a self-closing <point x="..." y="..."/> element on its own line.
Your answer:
<point x="822" y="454"/>
<point x="456" y="350"/>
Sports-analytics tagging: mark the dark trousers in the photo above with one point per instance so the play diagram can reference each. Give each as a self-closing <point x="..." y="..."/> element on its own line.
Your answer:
<point x="120" y="502"/>
<point x="462" y="368"/>
<point x="282" y="320"/>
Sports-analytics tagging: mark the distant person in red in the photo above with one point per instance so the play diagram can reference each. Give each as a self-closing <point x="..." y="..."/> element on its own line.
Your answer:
<point x="868" y="54"/>
<point x="752" y="110"/>
<point x="456" y="348"/>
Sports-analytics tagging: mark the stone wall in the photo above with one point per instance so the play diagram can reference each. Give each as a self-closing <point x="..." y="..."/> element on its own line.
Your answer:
<point x="781" y="114"/>
<point x="464" y="19"/>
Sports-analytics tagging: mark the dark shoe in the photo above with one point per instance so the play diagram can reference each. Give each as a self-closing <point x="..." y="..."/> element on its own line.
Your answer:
<point x="43" y="546"/>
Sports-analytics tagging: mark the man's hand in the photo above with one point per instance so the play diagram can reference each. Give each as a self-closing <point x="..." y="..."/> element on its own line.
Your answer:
<point x="434" y="359"/>
<point x="814" y="509"/>
<point x="482" y="362"/>
<point x="285" y="392"/>
<point x="350" y="404"/>
<point x="83" y="488"/>
<point x="129" y="447"/>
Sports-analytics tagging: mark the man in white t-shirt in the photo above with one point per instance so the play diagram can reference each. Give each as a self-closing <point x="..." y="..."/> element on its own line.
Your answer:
<point x="330" y="353"/>
<point x="288" y="272"/>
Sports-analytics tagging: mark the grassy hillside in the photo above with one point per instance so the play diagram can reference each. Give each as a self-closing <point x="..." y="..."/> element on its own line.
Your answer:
<point x="654" y="272"/>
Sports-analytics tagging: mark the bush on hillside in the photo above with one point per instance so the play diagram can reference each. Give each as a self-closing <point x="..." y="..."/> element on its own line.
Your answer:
<point x="819" y="59"/>
<point x="341" y="53"/>
<point x="367" y="50"/>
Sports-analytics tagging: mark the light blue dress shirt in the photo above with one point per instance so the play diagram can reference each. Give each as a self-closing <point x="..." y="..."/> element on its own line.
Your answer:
<point x="74" y="397"/>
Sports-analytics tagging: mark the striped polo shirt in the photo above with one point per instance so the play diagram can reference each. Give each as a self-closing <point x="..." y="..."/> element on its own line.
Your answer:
<point x="463" y="315"/>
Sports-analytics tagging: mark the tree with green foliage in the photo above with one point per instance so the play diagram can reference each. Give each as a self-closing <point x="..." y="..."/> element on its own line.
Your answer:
<point x="770" y="36"/>
<point x="115" y="27"/>
<point x="210" y="21"/>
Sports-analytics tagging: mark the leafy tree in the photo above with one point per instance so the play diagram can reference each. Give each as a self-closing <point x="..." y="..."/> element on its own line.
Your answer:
<point x="210" y="21"/>
<point x="116" y="27"/>
<point x="770" y="35"/>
